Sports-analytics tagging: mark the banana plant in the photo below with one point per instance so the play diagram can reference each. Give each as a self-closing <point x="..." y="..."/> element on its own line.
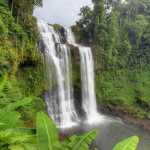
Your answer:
<point x="47" y="136"/>
<point x="15" y="138"/>
<point x="80" y="142"/>
<point x="128" y="144"/>
<point x="9" y="117"/>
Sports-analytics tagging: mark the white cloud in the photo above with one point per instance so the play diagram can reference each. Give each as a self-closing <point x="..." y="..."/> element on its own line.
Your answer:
<point x="64" y="12"/>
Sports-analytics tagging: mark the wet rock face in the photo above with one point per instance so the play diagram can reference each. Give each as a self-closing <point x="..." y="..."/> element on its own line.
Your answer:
<point x="143" y="104"/>
<point x="78" y="104"/>
<point x="63" y="35"/>
<point x="63" y="136"/>
<point x="75" y="58"/>
<point x="76" y="77"/>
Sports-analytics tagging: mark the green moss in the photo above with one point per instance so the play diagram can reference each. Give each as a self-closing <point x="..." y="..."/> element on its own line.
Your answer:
<point x="30" y="76"/>
<point x="75" y="58"/>
<point x="57" y="27"/>
<point x="78" y="33"/>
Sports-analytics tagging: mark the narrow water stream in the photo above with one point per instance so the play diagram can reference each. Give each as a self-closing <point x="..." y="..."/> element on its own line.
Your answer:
<point x="111" y="131"/>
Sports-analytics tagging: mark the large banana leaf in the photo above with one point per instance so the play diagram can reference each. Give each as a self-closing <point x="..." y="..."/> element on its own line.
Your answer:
<point x="80" y="142"/>
<point x="47" y="135"/>
<point x="128" y="144"/>
<point x="59" y="147"/>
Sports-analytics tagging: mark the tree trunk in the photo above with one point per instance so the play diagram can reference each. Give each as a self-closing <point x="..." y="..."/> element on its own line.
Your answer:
<point x="12" y="5"/>
<point x="17" y="16"/>
<point x="25" y="17"/>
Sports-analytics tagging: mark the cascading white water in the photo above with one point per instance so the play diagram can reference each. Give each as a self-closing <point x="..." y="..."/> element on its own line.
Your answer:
<point x="87" y="77"/>
<point x="70" y="37"/>
<point x="59" y="100"/>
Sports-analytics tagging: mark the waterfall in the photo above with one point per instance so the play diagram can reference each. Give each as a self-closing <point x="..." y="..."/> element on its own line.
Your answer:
<point x="59" y="100"/>
<point x="87" y="77"/>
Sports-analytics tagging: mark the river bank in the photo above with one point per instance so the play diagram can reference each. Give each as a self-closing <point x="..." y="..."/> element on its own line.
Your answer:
<point x="128" y="116"/>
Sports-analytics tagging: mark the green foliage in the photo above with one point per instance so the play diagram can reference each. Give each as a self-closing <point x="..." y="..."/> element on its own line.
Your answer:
<point x="80" y="142"/>
<point x="6" y="114"/>
<point x="17" y="41"/>
<point x="120" y="42"/>
<point x="125" y="90"/>
<point x="14" y="140"/>
<point x="2" y="82"/>
<point x="11" y="138"/>
<point x="47" y="135"/>
<point x="128" y="144"/>
<point x="18" y="59"/>
<point x="29" y="112"/>
<point x="118" y="35"/>
<point x="57" y="27"/>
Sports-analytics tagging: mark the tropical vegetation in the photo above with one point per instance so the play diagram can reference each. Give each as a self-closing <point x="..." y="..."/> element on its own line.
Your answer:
<point x="118" y="33"/>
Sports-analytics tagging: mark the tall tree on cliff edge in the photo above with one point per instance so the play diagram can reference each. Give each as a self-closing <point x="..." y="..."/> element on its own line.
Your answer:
<point x="99" y="23"/>
<point x="23" y="7"/>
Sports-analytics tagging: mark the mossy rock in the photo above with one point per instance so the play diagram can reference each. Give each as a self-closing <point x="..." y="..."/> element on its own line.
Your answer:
<point x="75" y="57"/>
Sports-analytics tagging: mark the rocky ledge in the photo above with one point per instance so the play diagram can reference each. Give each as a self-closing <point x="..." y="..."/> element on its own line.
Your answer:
<point x="129" y="116"/>
<point x="63" y="136"/>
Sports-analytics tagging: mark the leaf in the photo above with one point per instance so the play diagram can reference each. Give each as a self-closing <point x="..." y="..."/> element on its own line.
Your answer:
<point x="6" y="133"/>
<point x="69" y="140"/>
<point x="9" y="117"/>
<point x="8" y="108"/>
<point x="19" y="138"/>
<point x="81" y="142"/>
<point x="21" y="102"/>
<point x="16" y="147"/>
<point x="47" y="134"/>
<point x="25" y="130"/>
<point x="9" y="120"/>
<point x="57" y="147"/>
<point x="128" y="144"/>
<point x="2" y="82"/>
<point x="30" y="146"/>
<point x="2" y="124"/>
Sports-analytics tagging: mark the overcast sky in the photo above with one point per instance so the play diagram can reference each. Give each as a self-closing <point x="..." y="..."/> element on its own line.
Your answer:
<point x="63" y="12"/>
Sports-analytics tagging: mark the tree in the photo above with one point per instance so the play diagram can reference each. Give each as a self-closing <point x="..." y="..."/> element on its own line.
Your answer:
<point x="86" y="14"/>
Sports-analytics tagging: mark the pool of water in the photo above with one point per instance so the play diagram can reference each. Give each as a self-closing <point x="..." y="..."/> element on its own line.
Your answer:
<point x="111" y="131"/>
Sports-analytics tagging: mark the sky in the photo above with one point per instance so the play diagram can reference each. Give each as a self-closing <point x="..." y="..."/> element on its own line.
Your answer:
<point x="63" y="12"/>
